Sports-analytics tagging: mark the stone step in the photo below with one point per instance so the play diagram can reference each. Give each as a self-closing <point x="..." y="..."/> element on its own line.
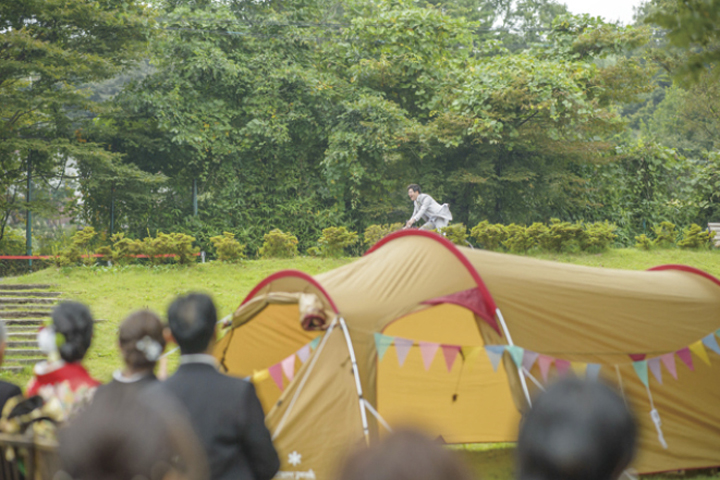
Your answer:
<point x="24" y="321"/>
<point x="24" y="306"/>
<point x="24" y="314"/>
<point x="12" y="368"/>
<point x="10" y="362"/>
<point x="25" y="301"/>
<point x="10" y="352"/>
<point x="22" y="329"/>
<point x="11" y="293"/>
<point x="18" y="344"/>
<point x="27" y="286"/>
<point x="22" y="336"/>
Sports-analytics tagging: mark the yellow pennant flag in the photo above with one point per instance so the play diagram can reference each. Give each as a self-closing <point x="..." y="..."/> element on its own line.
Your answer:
<point x="470" y="354"/>
<point x="698" y="349"/>
<point x="579" y="368"/>
<point x="259" y="376"/>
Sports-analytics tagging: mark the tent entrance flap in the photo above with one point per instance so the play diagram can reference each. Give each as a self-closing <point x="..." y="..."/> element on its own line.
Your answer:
<point x="464" y="402"/>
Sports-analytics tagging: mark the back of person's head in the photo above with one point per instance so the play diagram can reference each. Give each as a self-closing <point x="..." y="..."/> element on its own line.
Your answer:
<point x="192" y="320"/>
<point x="75" y="323"/>
<point x="576" y="430"/>
<point x="404" y="455"/>
<point x="130" y="440"/>
<point x="141" y="339"/>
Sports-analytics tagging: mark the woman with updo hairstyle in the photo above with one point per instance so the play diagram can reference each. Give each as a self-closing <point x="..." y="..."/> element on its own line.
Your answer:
<point x="62" y="378"/>
<point x="141" y="343"/>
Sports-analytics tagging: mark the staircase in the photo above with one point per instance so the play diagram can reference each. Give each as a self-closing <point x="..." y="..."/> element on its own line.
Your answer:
<point x="24" y="308"/>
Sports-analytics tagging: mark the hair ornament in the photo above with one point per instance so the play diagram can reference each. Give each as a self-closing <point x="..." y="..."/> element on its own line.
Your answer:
<point x="150" y="348"/>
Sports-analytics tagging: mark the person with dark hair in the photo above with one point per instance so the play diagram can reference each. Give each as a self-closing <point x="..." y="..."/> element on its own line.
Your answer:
<point x="141" y="343"/>
<point x="123" y="440"/>
<point x="577" y="430"/>
<point x="7" y="389"/>
<point x="404" y="455"/>
<point x="62" y="377"/>
<point x="436" y="216"/>
<point x="224" y="411"/>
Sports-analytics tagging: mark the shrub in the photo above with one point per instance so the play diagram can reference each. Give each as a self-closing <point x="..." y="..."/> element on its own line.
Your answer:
<point x="560" y="235"/>
<point x="122" y="250"/>
<point x="228" y="249"/>
<point x="179" y="244"/>
<point x="80" y="246"/>
<point x="665" y="234"/>
<point x="643" y="242"/>
<point x="13" y="242"/>
<point x="456" y="233"/>
<point x="375" y="233"/>
<point x="536" y="231"/>
<point x="333" y="242"/>
<point x="696" y="237"/>
<point x="519" y="239"/>
<point x="278" y="244"/>
<point x="489" y="236"/>
<point x="598" y="236"/>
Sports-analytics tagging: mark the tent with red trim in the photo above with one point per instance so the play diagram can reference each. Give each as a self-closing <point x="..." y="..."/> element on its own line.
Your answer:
<point x="403" y="337"/>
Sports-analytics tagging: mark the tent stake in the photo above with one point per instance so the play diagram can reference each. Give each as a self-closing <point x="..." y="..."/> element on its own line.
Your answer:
<point x="520" y="373"/>
<point x="356" y="374"/>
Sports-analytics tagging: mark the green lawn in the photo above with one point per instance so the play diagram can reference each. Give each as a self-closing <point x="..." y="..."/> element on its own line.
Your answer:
<point x="112" y="293"/>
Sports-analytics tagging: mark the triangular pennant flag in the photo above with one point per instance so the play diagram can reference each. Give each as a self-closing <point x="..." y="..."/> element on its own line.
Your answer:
<point x="402" y="348"/>
<point x="259" y="376"/>
<point x="636" y="357"/>
<point x="578" y="368"/>
<point x="669" y="361"/>
<point x="592" y="372"/>
<point x="315" y="342"/>
<point x="686" y="357"/>
<point x="641" y="368"/>
<point x="470" y="354"/>
<point x="304" y="353"/>
<point x="529" y="359"/>
<point x="562" y="366"/>
<point x="427" y="350"/>
<point x="494" y="353"/>
<point x="698" y="349"/>
<point x="288" y="367"/>
<point x="654" y="364"/>
<point x="544" y="362"/>
<point x="516" y="353"/>
<point x="450" y="353"/>
<point x="382" y="342"/>
<point x="711" y="342"/>
<point x="276" y="374"/>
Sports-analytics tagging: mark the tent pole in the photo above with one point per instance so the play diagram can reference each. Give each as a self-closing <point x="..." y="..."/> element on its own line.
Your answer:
<point x="304" y="379"/>
<point x="520" y="372"/>
<point x="356" y="374"/>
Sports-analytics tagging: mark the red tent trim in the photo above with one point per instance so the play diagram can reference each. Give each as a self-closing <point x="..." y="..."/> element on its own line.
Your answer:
<point x="470" y="299"/>
<point x="488" y="299"/>
<point x="685" y="268"/>
<point x="290" y="273"/>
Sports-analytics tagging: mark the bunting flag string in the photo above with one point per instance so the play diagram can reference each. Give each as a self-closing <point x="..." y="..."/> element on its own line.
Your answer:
<point x="284" y="367"/>
<point x="527" y="359"/>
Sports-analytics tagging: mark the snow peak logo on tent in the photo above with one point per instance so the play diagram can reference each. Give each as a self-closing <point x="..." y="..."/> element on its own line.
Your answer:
<point x="295" y="459"/>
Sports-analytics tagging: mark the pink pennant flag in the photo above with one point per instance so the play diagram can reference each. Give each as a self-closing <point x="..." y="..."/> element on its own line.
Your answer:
<point x="428" y="349"/>
<point x="402" y="348"/>
<point x="562" y="366"/>
<point x="654" y="365"/>
<point x="304" y="353"/>
<point x="450" y="353"/>
<point x="669" y="361"/>
<point x="529" y="359"/>
<point x="288" y="367"/>
<point x="686" y="357"/>
<point x="544" y="361"/>
<point x="276" y="374"/>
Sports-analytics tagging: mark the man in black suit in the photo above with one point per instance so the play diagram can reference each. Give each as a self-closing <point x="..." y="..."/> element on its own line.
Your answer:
<point x="7" y="389"/>
<point x="224" y="411"/>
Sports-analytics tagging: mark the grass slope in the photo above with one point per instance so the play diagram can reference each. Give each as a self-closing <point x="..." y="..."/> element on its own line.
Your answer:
<point x="112" y="293"/>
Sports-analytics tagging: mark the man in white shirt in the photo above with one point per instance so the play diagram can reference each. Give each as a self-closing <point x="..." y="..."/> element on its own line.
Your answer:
<point x="436" y="216"/>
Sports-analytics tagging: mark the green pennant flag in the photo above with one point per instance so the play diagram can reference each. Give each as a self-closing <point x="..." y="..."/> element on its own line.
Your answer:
<point x="641" y="368"/>
<point x="516" y="353"/>
<point x="315" y="342"/>
<point x="382" y="343"/>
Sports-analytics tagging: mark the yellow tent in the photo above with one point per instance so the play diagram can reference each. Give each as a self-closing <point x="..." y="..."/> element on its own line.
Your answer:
<point x="415" y="328"/>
